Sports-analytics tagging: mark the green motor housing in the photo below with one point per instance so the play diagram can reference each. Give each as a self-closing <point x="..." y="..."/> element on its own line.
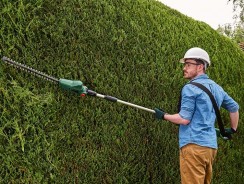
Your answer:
<point x="73" y="85"/>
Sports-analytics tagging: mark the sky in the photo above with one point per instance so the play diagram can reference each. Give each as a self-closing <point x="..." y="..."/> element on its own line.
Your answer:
<point x="212" y="12"/>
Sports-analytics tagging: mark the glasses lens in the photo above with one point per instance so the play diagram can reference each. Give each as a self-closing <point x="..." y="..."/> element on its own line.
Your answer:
<point x="188" y="64"/>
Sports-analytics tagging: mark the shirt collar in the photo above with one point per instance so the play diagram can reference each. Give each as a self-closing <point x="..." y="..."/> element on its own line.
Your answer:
<point x="203" y="76"/>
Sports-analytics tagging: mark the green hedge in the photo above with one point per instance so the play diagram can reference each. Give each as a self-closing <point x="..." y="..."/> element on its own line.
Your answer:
<point x="125" y="48"/>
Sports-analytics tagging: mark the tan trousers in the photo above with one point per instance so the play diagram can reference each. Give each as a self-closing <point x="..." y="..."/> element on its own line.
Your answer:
<point x="196" y="164"/>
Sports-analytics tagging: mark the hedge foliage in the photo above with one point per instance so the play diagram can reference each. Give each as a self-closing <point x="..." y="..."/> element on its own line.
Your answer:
<point x="125" y="48"/>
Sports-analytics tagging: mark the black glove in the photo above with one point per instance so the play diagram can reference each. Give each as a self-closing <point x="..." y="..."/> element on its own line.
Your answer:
<point x="159" y="114"/>
<point x="228" y="132"/>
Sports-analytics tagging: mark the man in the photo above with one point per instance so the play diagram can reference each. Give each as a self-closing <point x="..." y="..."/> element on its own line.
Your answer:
<point x="196" y="117"/>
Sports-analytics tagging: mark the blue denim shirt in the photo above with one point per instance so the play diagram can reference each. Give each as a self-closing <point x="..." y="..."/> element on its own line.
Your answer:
<point x="197" y="107"/>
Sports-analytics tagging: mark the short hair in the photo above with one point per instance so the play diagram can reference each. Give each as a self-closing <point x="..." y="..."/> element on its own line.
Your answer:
<point x="199" y="61"/>
<point x="204" y="63"/>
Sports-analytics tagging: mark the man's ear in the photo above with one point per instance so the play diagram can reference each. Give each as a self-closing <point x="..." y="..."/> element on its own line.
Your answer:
<point x="202" y="67"/>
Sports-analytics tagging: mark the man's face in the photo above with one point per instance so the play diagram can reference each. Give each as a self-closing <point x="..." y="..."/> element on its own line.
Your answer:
<point x="191" y="69"/>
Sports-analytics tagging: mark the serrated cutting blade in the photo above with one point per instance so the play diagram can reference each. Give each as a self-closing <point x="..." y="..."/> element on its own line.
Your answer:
<point x="30" y="70"/>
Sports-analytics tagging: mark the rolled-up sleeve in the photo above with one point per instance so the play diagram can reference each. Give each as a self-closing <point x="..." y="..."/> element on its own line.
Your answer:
<point x="187" y="102"/>
<point x="229" y="104"/>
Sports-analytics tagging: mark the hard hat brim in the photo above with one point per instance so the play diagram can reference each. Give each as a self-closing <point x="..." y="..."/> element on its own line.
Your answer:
<point x="182" y="60"/>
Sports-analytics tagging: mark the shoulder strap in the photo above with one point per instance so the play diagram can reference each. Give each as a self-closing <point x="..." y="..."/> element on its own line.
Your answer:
<point x="220" y="123"/>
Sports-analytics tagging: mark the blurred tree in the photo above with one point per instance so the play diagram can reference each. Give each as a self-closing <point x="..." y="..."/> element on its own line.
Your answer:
<point x="236" y="30"/>
<point x="239" y="8"/>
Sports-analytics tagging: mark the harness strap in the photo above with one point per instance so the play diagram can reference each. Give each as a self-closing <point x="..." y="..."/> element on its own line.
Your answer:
<point x="220" y="122"/>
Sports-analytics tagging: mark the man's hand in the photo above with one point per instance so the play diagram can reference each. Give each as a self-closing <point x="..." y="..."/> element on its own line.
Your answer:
<point x="159" y="114"/>
<point x="228" y="131"/>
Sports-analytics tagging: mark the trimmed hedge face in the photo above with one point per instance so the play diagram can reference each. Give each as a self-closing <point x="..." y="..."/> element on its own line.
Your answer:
<point x="125" y="48"/>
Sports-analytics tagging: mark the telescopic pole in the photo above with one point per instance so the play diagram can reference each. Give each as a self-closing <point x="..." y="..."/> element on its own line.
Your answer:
<point x="113" y="99"/>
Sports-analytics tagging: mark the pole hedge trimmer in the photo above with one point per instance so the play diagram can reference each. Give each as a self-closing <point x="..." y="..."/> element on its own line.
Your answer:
<point x="70" y="85"/>
<point x="76" y="86"/>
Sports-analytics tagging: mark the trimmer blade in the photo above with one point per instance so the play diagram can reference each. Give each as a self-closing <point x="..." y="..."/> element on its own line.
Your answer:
<point x="30" y="70"/>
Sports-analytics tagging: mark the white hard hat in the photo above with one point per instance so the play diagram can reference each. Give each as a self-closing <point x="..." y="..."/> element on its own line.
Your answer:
<point x="196" y="53"/>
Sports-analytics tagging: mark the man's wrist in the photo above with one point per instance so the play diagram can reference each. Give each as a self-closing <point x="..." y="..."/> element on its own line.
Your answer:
<point x="233" y="130"/>
<point x="165" y="115"/>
